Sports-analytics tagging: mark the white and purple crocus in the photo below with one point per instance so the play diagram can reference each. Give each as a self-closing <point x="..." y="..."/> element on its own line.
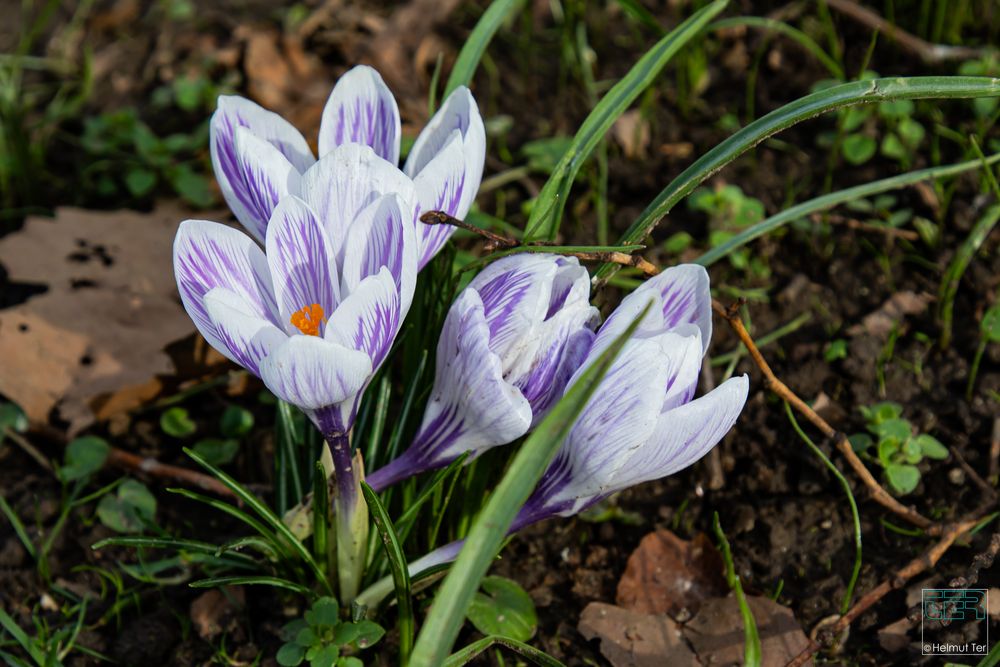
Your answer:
<point x="510" y="342"/>
<point x="643" y="422"/>
<point x="312" y="300"/>
<point x="273" y="159"/>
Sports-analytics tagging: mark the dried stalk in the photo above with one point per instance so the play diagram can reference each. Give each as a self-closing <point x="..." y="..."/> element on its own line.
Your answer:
<point x="879" y="494"/>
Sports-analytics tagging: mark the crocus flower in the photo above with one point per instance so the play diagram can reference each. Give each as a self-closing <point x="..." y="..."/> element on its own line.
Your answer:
<point x="256" y="170"/>
<point x="510" y="343"/>
<point x="641" y="423"/>
<point x="314" y="316"/>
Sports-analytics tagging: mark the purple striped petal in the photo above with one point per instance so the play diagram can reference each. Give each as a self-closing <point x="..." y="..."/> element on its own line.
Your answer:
<point x="247" y="338"/>
<point x="441" y="187"/>
<point x="267" y="176"/>
<point x="361" y="110"/>
<point x="685" y="434"/>
<point x="459" y="112"/>
<point x="681" y="296"/>
<point x="382" y="236"/>
<point x="471" y="407"/>
<point x="234" y="112"/>
<point x="346" y="181"/>
<point x="515" y="292"/>
<point x="369" y="318"/>
<point x="619" y="417"/>
<point x="302" y="261"/>
<point x="432" y="152"/>
<point x="209" y="255"/>
<point x="313" y="373"/>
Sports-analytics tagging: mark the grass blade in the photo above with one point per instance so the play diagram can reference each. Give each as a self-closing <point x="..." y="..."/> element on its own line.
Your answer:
<point x="404" y="523"/>
<point x="793" y="33"/>
<point x="752" y="651"/>
<point x="187" y="546"/>
<point x="848" y="94"/>
<point x="833" y="199"/>
<point x="19" y="529"/>
<point x="465" y="655"/>
<point x="398" y="566"/>
<point x="266" y="514"/>
<point x="19" y="635"/>
<point x="546" y="214"/>
<point x="447" y="614"/>
<point x="321" y="519"/>
<point x="472" y="52"/>
<point x="236" y="513"/>
<point x="218" y="582"/>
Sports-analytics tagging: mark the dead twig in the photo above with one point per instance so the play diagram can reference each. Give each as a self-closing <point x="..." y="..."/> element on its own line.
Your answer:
<point x="929" y="53"/>
<point x="495" y="241"/>
<point x="853" y="223"/>
<point x="771" y="381"/>
<point x="716" y="476"/>
<point x="164" y="471"/>
<point x="987" y="489"/>
<point x="995" y="452"/>
<point x="925" y="561"/>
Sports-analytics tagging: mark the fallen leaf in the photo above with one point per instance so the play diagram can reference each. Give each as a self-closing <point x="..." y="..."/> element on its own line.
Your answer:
<point x="217" y="611"/>
<point x="631" y="131"/>
<point x="634" y="639"/>
<point x="881" y="322"/>
<point x="716" y="633"/>
<point x="100" y="328"/>
<point x="668" y="575"/>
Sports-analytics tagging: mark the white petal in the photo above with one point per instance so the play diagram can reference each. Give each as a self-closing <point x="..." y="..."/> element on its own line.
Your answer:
<point x="382" y="235"/>
<point x="441" y="186"/>
<point x="267" y="175"/>
<point x="247" y="338"/>
<point x="347" y="180"/>
<point x="234" y="112"/>
<point x="471" y="408"/>
<point x="369" y="318"/>
<point x="313" y="373"/>
<point x="361" y="110"/>
<point x="209" y="255"/>
<point x="515" y="293"/>
<point x="459" y="112"/>
<point x="685" y="434"/>
<point x="619" y="418"/>
<point x="680" y="296"/>
<point x="302" y="261"/>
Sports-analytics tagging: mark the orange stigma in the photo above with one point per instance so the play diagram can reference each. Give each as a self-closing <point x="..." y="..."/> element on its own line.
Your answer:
<point x="308" y="319"/>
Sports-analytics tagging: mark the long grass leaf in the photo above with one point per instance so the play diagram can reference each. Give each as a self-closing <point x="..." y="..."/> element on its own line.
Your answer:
<point x="475" y="46"/>
<point x="19" y="529"/>
<point x="546" y="214"/>
<point x="267" y="515"/>
<point x="752" y="654"/>
<point x="466" y="654"/>
<point x="828" y="201"/>
<point x="447" y="614"/>
<point x="398" y="566"/>
<point x="218" y="582"/>
<point x="837" y="97"/>
<point x="188" y="546"/>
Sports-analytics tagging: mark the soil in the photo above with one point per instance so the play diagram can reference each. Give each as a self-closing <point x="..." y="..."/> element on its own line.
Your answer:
<point x="784" y="514"/>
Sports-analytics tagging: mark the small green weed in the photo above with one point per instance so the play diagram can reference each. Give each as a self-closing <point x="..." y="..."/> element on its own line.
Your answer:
<point x="898" y="448"/>
<point x="321" y="637"/>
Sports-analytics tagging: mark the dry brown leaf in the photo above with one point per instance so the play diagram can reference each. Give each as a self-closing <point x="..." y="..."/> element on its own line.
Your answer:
<point x="633" y="639"/>
<point x="631" y="131"/>
<point x="881" y="322"/>
<point x="668" y="575"/>
<point x="101" y="327"/>
<point x="283" y="77"/>
<point x="716" y="633"/>
<point x="216" y="611"/>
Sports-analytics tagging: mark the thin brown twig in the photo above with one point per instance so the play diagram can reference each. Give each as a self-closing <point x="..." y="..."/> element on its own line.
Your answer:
<point x="987" y="489"/>
<point x="853" y="223"/>
<point x="926" y="51"/>
<point x="164" y="471"/>
<point x="716" y="476"/>
<point x="995" y="452"/>
<point x="779" y="388"/>
<point x="496" y="241"/>
<point x="923" y="562"/>
<point x="28" y="448"/>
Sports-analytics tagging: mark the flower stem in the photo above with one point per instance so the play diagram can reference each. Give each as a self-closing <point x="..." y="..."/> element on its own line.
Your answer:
<point x="351" y="515"/>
